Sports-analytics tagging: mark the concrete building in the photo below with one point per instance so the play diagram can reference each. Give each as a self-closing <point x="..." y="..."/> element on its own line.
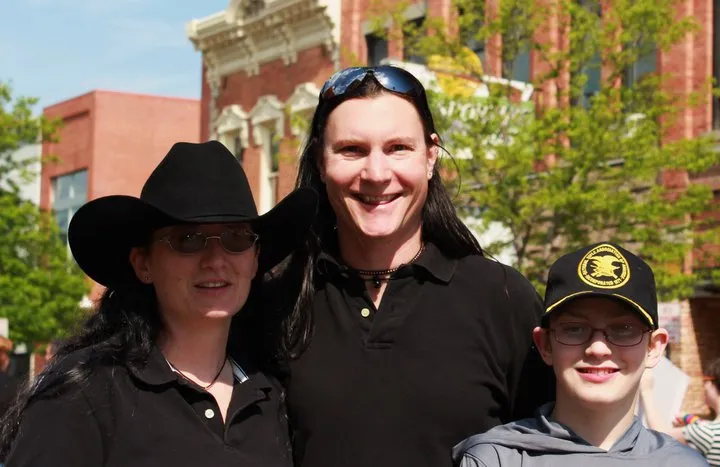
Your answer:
<point x="264" y="61"/>
<point x="109" y="144"/>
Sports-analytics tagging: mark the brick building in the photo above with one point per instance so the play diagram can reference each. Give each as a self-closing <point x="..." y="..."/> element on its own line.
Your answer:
<point x="108" y="144"/>
<point x="264" y="60"/>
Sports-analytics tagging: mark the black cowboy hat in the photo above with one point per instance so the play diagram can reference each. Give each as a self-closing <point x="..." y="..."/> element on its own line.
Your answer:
<point x="194" y="184"/>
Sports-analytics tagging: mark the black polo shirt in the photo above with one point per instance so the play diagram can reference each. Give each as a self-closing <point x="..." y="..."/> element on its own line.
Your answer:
<point x="154" y="417"/>
<point x="447" y="355"/>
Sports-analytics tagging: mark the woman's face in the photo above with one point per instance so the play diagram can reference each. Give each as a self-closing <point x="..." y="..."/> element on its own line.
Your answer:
<point x="376" y="165"/>
<point x="210" y="284"/>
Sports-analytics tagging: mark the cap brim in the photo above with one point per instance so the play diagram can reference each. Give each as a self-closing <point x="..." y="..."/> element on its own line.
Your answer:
<point x="644" y="315"/>
<point x="103" y="232"/>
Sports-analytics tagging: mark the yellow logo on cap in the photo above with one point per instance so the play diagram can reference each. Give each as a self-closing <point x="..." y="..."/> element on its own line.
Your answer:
<point x="604" y="267"/>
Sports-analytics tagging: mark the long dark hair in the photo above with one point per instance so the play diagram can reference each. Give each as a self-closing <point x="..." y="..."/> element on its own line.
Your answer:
<point x="440" y="223"/>
<point x="123" y="331"/>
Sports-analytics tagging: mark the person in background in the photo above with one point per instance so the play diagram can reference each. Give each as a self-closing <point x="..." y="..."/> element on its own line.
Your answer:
<point x="404" y="338"/>
<point x="699" y="434"/>
<point x="9" y="385"/>
<point x="154" y="378"/>
<point x="52" y="348"/>
<point x="599" y="333"/>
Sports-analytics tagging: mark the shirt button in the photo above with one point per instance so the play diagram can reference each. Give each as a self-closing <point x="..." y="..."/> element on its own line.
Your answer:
<point x="209" y="413"/>
<point x="365" y="312"/>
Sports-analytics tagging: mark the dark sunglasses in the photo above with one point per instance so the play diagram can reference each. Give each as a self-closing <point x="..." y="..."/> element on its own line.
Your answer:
<point x="232" y="241"/>
<point x="389" y="77"/>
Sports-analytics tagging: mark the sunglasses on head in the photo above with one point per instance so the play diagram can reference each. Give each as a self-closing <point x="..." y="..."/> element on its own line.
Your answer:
<point x="232" y="241"/>
<point x="389" y="77"/>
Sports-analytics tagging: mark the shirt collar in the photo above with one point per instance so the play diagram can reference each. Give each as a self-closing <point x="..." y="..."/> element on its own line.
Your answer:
<point x="436" y="263"/>
<point x="432" y="260"/>
<point x="157" y="370"/>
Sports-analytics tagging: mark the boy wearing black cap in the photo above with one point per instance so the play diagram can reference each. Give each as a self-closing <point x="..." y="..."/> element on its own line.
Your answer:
<point x="599" y="333"/>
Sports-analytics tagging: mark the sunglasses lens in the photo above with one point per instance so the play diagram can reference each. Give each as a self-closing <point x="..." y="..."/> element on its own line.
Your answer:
<point x="397" y="80"/>
<point x="237" y="241"/>
<point x="187" y="243"/>
<point x="340" y="81"/>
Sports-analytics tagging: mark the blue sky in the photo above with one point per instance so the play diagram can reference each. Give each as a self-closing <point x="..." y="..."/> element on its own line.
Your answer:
<point x="58" y="49"/>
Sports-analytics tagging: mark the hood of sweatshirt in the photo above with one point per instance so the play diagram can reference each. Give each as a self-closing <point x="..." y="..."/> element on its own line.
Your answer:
<point x="546" y="436"/>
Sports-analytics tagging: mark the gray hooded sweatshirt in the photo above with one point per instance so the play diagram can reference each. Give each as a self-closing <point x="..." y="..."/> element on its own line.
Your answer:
<point x="541" y="442"/>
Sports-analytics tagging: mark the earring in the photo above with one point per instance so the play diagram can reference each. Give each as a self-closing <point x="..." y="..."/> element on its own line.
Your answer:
<point x="147" y="279"/>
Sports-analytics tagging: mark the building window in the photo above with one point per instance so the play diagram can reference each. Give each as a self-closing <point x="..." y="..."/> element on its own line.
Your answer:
<point x="268" y="121"/>
<point x="232" y="130"/>
<point x="271" y="158"/>
<point x="716" y="63"/>
<point x="468" y="35"/>
<point x="645" y="64"/>
<point x="69" y="192"/>
<point x="377" y="49"/>
<point x="409" y="41"/>
<point x="520" y="70"/>
<point x="593" y="71"/>
<point x="236" y="146"/>
<point x="478" y="47"/>
<point x="302" y="104"/>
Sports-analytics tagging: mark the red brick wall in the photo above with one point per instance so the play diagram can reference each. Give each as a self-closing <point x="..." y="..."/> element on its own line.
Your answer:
<point x="687" y="67"/>
<point x="132" y="134"/>
<point x="73" y="151"/>
<point x="119" y="138"/>
<point x="699" y="346"/>
<point x="313" y="65"/>
<point x="355" y="12"/>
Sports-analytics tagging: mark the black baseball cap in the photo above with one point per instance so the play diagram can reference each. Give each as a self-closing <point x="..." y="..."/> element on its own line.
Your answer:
<point x="602" y="270"/>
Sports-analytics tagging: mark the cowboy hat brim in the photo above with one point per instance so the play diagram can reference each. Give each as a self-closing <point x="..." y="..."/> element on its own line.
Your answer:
<point x="103" y="232"/>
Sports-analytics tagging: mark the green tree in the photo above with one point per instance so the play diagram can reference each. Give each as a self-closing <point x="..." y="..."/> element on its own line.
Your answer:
<point x="585" y="162"/>
<point x="40" y="286"/>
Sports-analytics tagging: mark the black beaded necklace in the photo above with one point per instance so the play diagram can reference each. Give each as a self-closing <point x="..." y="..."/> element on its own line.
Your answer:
<point x="377" y="277"/>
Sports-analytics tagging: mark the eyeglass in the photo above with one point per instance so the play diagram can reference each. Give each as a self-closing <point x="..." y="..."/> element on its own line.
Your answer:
<point x="232" y="241"/>
<point x="621" y="335"/>
<point x="389" y="77"/>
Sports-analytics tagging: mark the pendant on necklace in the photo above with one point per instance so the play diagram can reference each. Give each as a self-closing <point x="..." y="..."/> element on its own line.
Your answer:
<point x="376" y="282"/>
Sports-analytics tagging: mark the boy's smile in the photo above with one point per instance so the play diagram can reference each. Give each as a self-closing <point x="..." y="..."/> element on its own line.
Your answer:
<point x="597" y="374"/>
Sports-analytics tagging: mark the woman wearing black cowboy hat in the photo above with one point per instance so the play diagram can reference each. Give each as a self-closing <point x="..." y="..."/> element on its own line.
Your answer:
<point x="150" y="379"/>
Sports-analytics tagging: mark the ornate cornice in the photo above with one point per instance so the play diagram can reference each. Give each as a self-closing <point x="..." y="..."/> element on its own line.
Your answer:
<point x="243" y="38"/>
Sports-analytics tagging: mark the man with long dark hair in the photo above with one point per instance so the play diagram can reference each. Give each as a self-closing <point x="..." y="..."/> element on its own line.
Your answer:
<point x="405" y="339"/>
